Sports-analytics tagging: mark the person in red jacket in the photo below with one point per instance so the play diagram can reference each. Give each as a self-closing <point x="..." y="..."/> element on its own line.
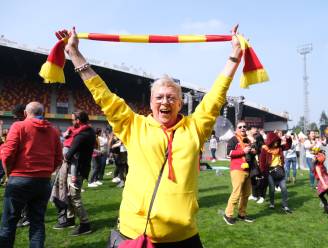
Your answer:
<point x="321" y="175"/>
<point x="272" y="166"/>
<point x="239" y="151"/>
<point x="59" y="194"/>
<point x="31" y="153"/>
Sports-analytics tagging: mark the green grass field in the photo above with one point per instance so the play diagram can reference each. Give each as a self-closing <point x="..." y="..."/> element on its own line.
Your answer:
<point x="306" y="227"/>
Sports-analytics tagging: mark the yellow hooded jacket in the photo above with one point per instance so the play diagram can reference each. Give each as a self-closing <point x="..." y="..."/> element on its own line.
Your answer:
<point x="173" y="216"/>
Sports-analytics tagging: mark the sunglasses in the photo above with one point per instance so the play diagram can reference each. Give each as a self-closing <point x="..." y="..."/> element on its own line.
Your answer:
<point x="240" y="127"/>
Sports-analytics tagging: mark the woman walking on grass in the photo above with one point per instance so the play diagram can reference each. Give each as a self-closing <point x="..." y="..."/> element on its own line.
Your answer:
<point x="271" y="165"/>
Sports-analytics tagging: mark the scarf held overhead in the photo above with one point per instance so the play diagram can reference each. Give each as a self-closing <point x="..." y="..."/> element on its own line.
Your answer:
<point x="253" y="72"/>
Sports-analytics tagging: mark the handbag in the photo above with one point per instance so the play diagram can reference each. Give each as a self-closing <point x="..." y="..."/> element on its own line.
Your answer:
<point x="277" y="173"/>
<point x="115" y="239"/>
<point x="118" y="240"/>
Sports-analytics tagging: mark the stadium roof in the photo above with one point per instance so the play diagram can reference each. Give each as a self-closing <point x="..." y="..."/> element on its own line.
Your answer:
<point x="20" y="56"/>
<point x="121" y="68"/>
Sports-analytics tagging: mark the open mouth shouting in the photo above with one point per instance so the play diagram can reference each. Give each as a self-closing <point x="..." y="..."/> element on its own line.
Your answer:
<point x="165" y="111"/>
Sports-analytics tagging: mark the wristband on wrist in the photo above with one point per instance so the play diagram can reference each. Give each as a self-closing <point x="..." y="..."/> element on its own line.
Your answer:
<point x="82" y="67"/>
<point x="234" y="59"/>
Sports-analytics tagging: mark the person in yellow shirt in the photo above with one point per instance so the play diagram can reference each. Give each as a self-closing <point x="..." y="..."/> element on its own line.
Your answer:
<point x="146" y="138"/>
<point x="272" y="167"/>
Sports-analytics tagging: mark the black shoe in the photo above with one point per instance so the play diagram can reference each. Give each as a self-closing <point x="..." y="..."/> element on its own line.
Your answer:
<point x="245" y="218"/>
<point x="70" y="223"/>
<point x="229" y="220"/>
<point x="83" y="228"/>
<point x="23" y="222"/>
<point x="287" y="210"/>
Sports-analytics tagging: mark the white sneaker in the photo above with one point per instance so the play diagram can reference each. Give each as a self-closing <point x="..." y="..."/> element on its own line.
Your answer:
<point x="252" y="198"/>
<point x="116" y="180"/>
<point x="98" y="183"/>
<point x="92" y="185"/>
<point x="260" y="200"/>
<point x="278" y="189"/>
<point x="120" y="185"/>
<point x="109" y="173"/>
<point x="73" y="185"/>
<point x="213" y="160"/>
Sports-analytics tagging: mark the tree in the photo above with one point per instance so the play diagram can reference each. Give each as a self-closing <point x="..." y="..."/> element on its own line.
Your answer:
<point x="313" y="126"/>
<point x="323" y="118"/>
<point x="299" y="126"/>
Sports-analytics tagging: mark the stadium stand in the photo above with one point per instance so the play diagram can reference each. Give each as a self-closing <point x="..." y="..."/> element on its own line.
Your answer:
<point x="20" y="90"/>
<point x="83" y="100"/>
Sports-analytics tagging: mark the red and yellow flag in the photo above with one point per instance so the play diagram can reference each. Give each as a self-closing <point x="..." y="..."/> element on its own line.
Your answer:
<point x="253" y="71"/>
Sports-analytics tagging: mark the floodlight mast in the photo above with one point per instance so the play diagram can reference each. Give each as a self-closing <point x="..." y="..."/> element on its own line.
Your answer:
<point x="303" y="51"/>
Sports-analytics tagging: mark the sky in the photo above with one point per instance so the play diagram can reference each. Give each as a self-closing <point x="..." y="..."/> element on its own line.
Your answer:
<point x="275" y="30"/>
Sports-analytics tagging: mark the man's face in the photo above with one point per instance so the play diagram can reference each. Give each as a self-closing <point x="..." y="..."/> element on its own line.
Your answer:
<point x="75" y="122"/>
<point x="165" y="105"/>
<point x="241" y="129"/>
<point x="254" y="131"/>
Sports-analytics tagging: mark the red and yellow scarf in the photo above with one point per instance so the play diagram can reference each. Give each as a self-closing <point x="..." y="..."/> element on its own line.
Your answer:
<point x="253" y="71"/>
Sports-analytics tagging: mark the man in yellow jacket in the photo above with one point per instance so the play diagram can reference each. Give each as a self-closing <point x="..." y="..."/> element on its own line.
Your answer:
<point x="173" y="216"/>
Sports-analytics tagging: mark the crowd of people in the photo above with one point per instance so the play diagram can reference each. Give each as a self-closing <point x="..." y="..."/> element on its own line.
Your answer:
<point x="161" y="208"/>
<point x="259" y="161"/>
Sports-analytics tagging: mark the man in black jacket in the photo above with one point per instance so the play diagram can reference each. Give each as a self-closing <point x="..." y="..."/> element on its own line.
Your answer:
<point x="79" y="157"/>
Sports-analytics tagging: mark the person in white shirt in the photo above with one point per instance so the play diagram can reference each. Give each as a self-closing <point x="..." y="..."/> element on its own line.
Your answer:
<point x="309" y="144"/>
<point x="213" y="146"/>
<point x="104" y="149"/>
<point x="291" y="161"/>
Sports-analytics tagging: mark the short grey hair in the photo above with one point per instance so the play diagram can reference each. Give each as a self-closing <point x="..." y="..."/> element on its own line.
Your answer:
<point x="166" y="81"/>
<point x="34" y="108"/>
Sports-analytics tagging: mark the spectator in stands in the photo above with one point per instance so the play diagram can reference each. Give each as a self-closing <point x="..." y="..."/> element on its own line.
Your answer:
<point x="30" y="154"/>
<point x="242" y="157"/>
<point x="173" y="218"/>
<point x="79" y="155"/>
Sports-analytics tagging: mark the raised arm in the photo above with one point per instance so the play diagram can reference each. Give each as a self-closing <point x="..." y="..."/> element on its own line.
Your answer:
<point x="117" y="112"/>
<point x="72" y="49"/>
<point x="235" y="55"/>
<point x="209" y="108"/>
